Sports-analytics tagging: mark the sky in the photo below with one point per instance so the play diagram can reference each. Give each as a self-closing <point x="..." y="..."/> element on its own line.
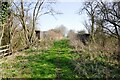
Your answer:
<point x="70" y="17"/>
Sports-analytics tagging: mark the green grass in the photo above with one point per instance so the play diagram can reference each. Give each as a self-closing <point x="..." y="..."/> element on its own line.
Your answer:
<point x="42" y="64"/>
<point x="60" y="60"/>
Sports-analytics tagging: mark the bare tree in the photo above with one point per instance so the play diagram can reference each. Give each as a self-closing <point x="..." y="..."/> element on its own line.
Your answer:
<point x="41" y="7"/>
<point x="90" y="8"/>
<point x="105" y="17"/>
<point x="24" y="23"/>
<point x="36" y="10"/>
<point x="87" y="26"/>
<point x="110" y="13"/>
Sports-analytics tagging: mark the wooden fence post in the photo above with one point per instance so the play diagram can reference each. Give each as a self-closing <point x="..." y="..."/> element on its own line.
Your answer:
<point x="4" y="50"/>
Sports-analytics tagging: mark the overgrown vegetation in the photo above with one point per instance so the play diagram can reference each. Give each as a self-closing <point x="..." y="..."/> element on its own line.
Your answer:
<point x="97" y="64"/>
<point x="95" y="54"/>
<point x="61" y="61"/>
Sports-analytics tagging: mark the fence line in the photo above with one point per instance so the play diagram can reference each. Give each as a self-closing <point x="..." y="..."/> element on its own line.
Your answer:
<point x="4" y="50"/>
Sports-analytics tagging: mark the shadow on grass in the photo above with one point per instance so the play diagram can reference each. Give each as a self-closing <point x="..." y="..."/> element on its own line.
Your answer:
<point x="45" y="65"/>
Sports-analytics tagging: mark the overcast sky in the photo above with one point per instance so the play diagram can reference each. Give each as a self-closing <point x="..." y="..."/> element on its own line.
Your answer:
<point x="69" y="18"/>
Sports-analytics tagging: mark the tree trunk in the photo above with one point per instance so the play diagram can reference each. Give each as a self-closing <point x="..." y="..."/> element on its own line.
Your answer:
<point x="118" y="51"/>
<point x="10" y="33"/>
<point x="1" y="34"/>
<point x="24" y="25"/>
<point x="92" y="29"/>
<point x="35" y="15"/>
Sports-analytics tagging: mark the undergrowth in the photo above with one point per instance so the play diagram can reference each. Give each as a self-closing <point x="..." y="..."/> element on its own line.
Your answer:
<point x="72" y="65"/>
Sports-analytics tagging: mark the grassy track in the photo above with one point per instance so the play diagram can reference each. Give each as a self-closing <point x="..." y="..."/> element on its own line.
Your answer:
<point x="53" y="63"/>
<point x="60" y="63"/>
